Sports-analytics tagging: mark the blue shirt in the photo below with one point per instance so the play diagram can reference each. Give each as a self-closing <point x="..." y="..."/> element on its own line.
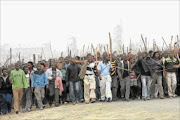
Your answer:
<point x="104" y="68"/>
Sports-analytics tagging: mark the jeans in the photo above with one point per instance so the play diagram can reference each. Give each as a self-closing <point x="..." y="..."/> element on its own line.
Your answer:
<point x="6" y="102"/>
<point x="125" y="87"/>
<point x="74" y="86"/>
<point x="146" y="84"/>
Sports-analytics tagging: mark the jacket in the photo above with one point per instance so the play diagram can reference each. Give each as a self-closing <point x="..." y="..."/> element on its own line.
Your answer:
<point x="5" y="86"/>
<point x="18" y="79"/>
<point x="72" y="73"/>
<point x="58" y="84"/>
<point x="49" y="74"/>
<point x="39" y="79"/>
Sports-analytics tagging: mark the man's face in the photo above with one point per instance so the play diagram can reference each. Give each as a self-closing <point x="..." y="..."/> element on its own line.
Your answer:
<point x="53" y="66"/>
<point x="156" y="55"/>
<point x="42" y="67"/>
<point x="5" y="73"/>
<point x="165" y="55"/>
<point x="60" y="66"/>
<point x="29" y="66"/>
<point x="39" y="66"/>
<point x="171" y="55"/>
<point x="89" y="58"/>
<point x="125" y="58"/>
<point x="66" y="60"/>
<point x="26" y="70"/>
<point x="17" y="66"/>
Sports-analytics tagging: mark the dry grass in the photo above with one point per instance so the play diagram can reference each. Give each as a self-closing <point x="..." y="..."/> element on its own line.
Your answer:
<point x="167" y="109"/>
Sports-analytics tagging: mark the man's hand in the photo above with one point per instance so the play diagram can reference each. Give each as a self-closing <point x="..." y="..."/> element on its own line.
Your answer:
<point x="120" y="78"/>
<point x="67" y="84"/>
<point x="25" y="89"/>
<point x="47" y="86"/>
<point x="100" y="78"/>
<point x="32" y="89"/>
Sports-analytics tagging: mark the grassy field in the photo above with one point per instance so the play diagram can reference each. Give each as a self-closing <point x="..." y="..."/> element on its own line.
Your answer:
<point x="156" y="109"/>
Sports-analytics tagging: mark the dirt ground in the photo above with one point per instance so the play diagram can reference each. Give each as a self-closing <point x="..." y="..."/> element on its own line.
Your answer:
<point x="167" y="109"/>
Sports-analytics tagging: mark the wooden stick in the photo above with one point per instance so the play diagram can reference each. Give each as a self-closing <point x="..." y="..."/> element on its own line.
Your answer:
<point x="83" y="51"/>
<point x="96" y="56"/>
<point x="165" y="42"/>
<point x="34" y="58"/>
<point x="171" y="45"/>
<point x="144" y="43"/>
<point x="19" y="56"/>
<point x="107" y="50"/>
<point x="110" y="44"/>
<point x="123" y="48"/>
<point x="51" y="50"/>
<point x="10" y="56"/>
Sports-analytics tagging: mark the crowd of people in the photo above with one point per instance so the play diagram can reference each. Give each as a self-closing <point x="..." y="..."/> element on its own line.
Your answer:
<point x="99" y="78"/>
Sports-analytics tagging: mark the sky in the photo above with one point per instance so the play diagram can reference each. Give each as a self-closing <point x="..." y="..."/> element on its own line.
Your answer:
<point x="31" y="23"/>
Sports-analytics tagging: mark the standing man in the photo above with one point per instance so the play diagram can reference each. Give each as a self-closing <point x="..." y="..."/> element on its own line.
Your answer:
<point x="26" y="100"/>
<point x="39" y="80"/>
<point x="52" y="74"/>
<point x="171" y="67"/>
<point x="5" y="92"/>
<point x="73" y="81"/>
<point x="125" y="80"/>
<point x="89" y="81"/>
<point x="18" y="80"/>
<point x="105" y="78"/>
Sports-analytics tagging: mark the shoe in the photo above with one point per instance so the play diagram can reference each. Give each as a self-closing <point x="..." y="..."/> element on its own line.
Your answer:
<point x="65" y="102"/>
<point x="171" y="97"/>
<point x="74" y="103"/>
<point x="152" y="97"/>
<point x="17" y="112"/>
<point x="29" y="109"/>
<point x="44" y="106"/>
<point x="82" y="100"/>
<point x="87" y="102"/>
<point x="23" y="110"/>
<point x="4" y="113"/>
<point x="161" y="97"/>
<point x="93" y="100"/>
<point x="50" y="104"/>
<point x="144" y="99"/>
<point x="102" y="100"/>
<point x="109" y="100"/>
<point x="148" y="98"/>
<point x="174" y="95"/>
<point x="114" y="99"/>
<point x="9" y="110"/>
<point x="56" y="105"/>
<point x="123" y="99"/>
<point x="41" y="108"/>
<point x="127" y="100"/>
<point x="139" y="98"/>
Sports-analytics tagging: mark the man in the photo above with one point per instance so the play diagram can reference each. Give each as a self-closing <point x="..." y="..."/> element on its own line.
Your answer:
<point x="125" y="80"/>
<point x="18" y="80"/>
<point x="171" y="67"/>
<point x="64" y="94"/>
<point x="89" y="81"/>
<point x="52" y="74"/>
<point x="39" y="80"/>
<point x="115" y="73"/>
<point x="145" y="77"/>
<point x="73" y="81"/>
<point x="26" y="100"/>
<point x="5" y="92"/>
<point x="157" y="77"/>
<point x="105" y="78"/>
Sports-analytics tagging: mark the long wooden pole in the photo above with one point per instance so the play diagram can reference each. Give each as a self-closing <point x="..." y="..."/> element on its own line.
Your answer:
<point x="10" y="56"/>
<point x="96" y="56"/>
<point x="19" y="56"/>
<point x="144" y="43"/>
<point x="165" y="42"/>
<point x="110" y="44"/>
<point x="83" y="51"/>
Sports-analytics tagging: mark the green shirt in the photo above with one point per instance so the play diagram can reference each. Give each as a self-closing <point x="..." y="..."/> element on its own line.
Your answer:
<point x="18" y="79"/>
<point x="63" y="74"/>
